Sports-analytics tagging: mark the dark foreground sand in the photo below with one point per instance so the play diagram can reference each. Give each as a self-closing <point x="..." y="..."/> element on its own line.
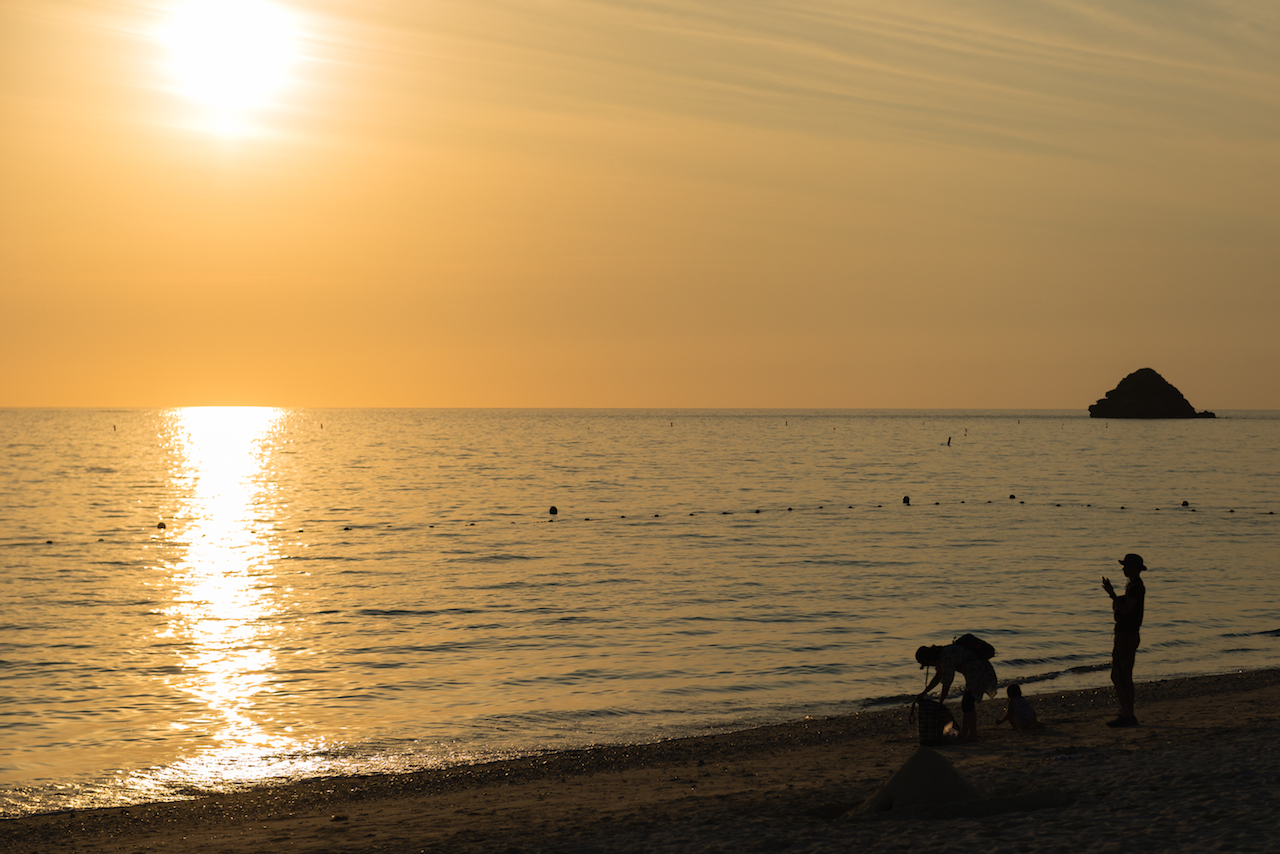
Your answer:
<point x="1202" y="774"/>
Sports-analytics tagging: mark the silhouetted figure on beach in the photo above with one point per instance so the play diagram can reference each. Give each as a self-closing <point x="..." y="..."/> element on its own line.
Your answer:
<point x="1019" y="713"/>
<point x="1127" y="610"/>
<point x="979" y="679"/>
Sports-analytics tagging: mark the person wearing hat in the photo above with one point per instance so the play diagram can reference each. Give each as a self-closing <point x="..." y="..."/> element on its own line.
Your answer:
<point x="1127" y="610"/>
<point x="979" y="679"/>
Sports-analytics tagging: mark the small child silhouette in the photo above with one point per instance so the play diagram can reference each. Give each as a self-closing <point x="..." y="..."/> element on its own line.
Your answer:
<point x="1019" y="714"/>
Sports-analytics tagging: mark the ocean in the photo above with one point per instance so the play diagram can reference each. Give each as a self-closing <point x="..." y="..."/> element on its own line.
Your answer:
<point x="195" y="600"/>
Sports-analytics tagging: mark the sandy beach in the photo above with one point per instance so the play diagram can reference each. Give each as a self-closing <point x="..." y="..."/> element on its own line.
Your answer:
<point x="1202" y="773"/>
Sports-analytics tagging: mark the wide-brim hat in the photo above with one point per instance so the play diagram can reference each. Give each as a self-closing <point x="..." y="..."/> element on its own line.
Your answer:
<point x="1133" y="560"/>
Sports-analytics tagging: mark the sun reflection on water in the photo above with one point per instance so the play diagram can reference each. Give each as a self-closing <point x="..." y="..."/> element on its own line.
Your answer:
<point x="227" y="598"/>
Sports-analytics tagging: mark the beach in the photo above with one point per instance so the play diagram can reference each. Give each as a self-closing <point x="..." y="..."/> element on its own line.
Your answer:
<point x="1201" y="773"/>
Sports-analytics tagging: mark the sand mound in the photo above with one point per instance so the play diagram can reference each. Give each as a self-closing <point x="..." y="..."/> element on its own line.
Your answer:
<point x="929" y="785"/>
<point x="925" y="781"/>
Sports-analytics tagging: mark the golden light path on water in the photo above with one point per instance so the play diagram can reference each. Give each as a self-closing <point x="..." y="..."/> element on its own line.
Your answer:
<point x="227" y="598"/>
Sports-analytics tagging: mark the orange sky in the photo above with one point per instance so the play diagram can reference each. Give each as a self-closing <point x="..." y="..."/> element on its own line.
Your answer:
<point x="715" y="203"/>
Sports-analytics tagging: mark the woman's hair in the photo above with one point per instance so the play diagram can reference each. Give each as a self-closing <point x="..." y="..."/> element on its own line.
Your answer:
<point x="927" y="655"/>
<point x="1015" y="690"/>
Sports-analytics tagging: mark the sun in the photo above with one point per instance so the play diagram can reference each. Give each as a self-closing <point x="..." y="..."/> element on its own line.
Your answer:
<point x="230" y="56"/>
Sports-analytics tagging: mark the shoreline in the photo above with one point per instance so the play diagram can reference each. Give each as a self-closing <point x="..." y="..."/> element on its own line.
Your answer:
<point x="1201" y="773"/>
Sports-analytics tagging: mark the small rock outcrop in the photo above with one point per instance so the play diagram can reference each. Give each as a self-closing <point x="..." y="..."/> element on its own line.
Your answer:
<point x="1145" y="394"/>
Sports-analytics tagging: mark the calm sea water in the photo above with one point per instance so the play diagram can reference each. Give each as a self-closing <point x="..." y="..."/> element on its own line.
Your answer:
<point x="356" y="591"/>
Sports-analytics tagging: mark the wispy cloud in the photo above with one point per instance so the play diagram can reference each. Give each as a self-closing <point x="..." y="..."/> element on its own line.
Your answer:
<point x="1054" y="74"/>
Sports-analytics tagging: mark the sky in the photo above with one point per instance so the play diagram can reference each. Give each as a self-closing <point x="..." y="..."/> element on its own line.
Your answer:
<point x="638" y="203"/>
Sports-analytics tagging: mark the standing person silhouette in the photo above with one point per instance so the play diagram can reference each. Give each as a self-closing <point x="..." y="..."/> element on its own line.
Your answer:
<point x="1127" y="610"/>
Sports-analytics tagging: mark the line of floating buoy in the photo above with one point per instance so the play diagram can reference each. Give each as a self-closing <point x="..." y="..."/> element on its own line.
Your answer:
<point x="555" y="511"/>
<point x="906" y="502"/>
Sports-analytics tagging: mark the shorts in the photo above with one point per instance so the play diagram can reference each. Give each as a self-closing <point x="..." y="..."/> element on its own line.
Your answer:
<point x="1124" y="650"/>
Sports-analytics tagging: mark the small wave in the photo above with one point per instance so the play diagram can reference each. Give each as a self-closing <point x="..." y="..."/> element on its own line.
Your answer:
<point x="1090" y="668"/>
<point x="1050" y="675"/>
<point x="469" y="557"/>
<point x="1042" y="661"/>
<point x="518" y="584"/>
<point x="853" y="564"/>
<point x="1173" y="643"/>
<point x="888" y="700"/>
<point x="410" y="612"/>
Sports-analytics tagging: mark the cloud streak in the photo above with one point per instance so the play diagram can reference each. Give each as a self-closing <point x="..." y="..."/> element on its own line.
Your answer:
<point x="1041" y="74"/>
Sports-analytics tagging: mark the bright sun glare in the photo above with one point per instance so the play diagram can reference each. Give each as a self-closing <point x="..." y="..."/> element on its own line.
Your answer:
<point x="230" y="56"/>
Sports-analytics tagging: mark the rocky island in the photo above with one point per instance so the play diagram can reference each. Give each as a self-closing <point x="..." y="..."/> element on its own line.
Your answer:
<point x="1145" y="394"/>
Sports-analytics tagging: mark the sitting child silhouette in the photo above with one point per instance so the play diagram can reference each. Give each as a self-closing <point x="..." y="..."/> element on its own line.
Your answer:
<point x="1019" y="714"/>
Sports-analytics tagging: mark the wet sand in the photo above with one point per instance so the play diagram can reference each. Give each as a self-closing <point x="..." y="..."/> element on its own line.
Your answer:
<point x="1202" y="773"/>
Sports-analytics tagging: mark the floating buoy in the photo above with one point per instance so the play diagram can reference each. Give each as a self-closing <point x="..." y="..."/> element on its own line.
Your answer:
<point x="554" y="510"/>
<point x="160" y="525"/>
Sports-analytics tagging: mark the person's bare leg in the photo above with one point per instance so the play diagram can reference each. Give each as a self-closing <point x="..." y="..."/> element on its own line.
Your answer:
<point x="969" y="718"/>
<point x="1122" y="659"/>
<point x="1122" y="678"/>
